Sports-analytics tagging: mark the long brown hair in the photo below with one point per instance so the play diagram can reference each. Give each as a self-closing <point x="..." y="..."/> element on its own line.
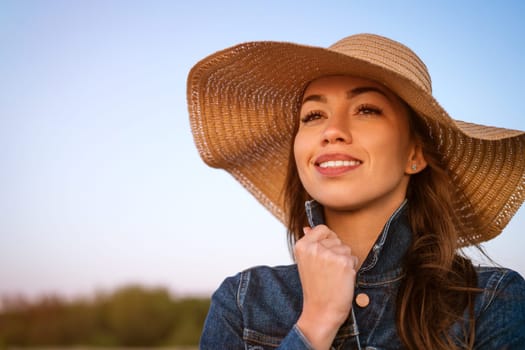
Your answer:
<point x="439" y="284"/>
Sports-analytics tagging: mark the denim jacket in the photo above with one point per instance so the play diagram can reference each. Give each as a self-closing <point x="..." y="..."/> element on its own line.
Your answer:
<point x="258" y="308"/>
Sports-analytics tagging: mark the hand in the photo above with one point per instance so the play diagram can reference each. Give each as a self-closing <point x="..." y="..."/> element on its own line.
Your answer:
<point x="327" y="270"/>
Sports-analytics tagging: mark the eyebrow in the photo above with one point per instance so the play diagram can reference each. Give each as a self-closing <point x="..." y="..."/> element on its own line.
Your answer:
<point x="364" y="89"/>
<point x="349" y="94"/>
<point x="315" y="98"/>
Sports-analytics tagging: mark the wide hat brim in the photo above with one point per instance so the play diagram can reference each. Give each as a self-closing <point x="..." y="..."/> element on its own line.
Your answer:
<point x="243" y="101"/>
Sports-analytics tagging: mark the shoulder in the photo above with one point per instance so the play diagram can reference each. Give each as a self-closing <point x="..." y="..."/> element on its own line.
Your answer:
<point x="275" y="276"/>
<point x="261" y="280"/>
<point x="500" y="283"/>
<point x="271" y="274"/>
<point x="260" y="290"/>
<point x="500" y="309"/>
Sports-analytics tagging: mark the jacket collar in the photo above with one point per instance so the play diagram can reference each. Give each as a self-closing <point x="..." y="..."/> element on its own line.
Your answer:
<point x="384" y="261"/>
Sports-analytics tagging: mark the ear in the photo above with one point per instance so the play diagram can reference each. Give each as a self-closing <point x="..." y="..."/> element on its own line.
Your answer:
<point x="416" y="161"/>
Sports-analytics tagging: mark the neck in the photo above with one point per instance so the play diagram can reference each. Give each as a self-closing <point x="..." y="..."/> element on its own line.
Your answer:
<point x="359" y="229"/>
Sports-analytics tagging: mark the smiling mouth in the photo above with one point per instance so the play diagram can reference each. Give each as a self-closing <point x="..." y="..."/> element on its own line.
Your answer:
<point x="338" y="163"/>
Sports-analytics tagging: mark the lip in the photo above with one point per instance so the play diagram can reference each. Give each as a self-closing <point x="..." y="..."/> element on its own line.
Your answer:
<point x="338" y="170"/>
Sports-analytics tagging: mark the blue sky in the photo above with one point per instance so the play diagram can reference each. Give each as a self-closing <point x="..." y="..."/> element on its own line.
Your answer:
<point x="100" y="183"/>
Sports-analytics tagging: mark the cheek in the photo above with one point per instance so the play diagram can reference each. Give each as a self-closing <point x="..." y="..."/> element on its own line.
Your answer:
<point x="299" y="148"/>
<point x="390" y="148"/>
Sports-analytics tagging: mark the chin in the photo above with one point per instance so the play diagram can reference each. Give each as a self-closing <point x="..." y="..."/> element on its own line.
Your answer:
<point x="342" y="204"/>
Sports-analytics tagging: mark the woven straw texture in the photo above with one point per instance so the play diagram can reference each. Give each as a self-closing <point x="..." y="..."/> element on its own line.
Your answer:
<point x="243" y="100"/>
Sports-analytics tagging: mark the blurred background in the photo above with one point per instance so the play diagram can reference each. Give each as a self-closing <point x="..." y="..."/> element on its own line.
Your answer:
<point x="103" y="196"/>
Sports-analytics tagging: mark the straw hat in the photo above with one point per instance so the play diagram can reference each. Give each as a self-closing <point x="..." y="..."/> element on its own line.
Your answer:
<point x="243" y="100"/>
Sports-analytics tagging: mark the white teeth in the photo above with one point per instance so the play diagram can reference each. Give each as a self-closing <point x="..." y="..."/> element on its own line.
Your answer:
<point x="339" y="163"/>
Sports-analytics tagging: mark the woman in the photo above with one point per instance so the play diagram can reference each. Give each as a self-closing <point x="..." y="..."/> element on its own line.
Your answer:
<point x="379" y="189"/>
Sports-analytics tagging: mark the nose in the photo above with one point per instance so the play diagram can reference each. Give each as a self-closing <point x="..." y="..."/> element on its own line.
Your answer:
<point x="337" y="130"/>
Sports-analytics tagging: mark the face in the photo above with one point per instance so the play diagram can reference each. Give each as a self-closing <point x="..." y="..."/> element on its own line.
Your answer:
<point x="353" y="148"/>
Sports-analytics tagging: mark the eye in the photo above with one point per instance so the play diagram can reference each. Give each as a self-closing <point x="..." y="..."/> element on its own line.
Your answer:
<point x="311" y="116"/>
<point x="367" y="109"/>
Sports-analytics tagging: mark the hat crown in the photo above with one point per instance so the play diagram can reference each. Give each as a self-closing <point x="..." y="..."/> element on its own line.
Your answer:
<point x="386" y="53"/>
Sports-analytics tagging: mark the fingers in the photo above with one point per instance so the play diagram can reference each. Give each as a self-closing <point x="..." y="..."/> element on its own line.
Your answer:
<point x="326" y="239"/>
<point x="318" y="233"/>
<point x="323" y="235"/>
<point x="332" y="243"/>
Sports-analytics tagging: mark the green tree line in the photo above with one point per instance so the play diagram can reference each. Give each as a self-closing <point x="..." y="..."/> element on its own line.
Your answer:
<point x="130" y="316"/>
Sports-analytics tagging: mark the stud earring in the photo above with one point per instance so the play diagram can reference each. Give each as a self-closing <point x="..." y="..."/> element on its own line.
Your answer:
<point x="414" y="166"/>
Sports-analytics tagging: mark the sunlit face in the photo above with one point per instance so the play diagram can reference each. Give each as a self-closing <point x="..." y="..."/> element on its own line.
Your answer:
<point x="353" y="148"/>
